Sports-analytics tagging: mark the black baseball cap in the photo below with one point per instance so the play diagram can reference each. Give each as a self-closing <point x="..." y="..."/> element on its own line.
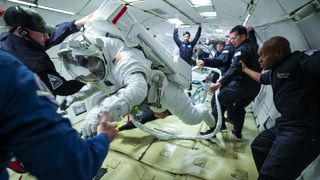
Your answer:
<point x="25" y="17"/>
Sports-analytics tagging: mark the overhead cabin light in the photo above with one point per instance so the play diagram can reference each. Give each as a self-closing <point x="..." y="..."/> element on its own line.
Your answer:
<point x="175" y="21"/>
<point x="185" y="26"/>
<point x="198" y="3"/>
<point x="246" y="20"/>
<point x="169" y="34"/>
<point x="219" y="30"/>
<point x="56" y="10"/>
<point x="305" y="11"/>
<point x="208" y="15"/>
<point x="23" y="2"/>
<point x="132" y="1"/>
<point x="41" y="7"/>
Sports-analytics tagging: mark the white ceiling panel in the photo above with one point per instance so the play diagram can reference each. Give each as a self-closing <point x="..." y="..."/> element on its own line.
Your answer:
<point x="310" y="28"/>
<point x="292" y="5"/>
<point x="67" y="5"/>
<point x="288" y="30"/>
<point x="263" y="14"/>
<point x="230" y="12"/>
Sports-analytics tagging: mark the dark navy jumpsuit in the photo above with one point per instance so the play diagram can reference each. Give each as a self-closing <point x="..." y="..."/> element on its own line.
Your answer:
<point x="222" y="62"/>
<point x="32" y="131"/>
<point x="284" y="151"/>
<point x="186" y="48"/>
<point x="34" y="56"/>
<point x="238" y="89"/>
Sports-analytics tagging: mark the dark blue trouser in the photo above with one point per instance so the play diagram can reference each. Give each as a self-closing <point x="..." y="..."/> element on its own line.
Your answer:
<point x="235" y="97"/>
<point x="282" y="154"/>
<point x="148" y="115"/>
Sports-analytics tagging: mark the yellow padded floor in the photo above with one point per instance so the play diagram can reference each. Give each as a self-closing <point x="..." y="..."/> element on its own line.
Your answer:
<point x="137" y="155"/>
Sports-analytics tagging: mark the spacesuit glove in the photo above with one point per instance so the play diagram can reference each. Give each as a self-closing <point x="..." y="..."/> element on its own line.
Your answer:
<point x="90" y="124"/>
<point x="116" y="106"/>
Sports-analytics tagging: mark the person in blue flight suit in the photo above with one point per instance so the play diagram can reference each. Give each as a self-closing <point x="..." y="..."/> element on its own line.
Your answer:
<point x="33" y="132"/>
<point x="237" y="88"/>
<point x="28" y="39"/>
<point x="219" y="48"/>
<point x="203" y="50"/>
<point x="222" y="61"/>
<point x="185" y="46"/>
<point x="285" y="150"/>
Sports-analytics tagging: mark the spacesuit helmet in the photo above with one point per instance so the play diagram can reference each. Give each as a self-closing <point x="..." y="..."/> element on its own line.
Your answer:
<point x="82" y="59"/>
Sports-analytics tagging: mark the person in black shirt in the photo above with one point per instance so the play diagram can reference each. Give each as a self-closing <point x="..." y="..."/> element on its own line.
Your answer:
<point x="237" y="89"/>
<point x="28" y="39"/>
<point x="222" y="61"/>
<point x="283" y="151"/>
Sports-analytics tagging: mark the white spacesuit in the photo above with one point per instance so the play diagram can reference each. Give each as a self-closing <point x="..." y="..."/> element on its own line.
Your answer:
<point x="126" y="77"/>
<point x="105" y="54"/>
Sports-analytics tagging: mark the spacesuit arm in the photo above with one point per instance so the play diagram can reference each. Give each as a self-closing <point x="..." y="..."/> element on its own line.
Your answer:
<point x="121" y="103"/>
<point x="118" y="104"/>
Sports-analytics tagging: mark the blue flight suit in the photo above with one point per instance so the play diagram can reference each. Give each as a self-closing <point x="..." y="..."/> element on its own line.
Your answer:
<point x="221" y="60"/>
<point x="284" y="151"/>
<point x="238" y="89"/>
<point x="34" y="56"/>
<point x="33" y="132"/>
<point x="186" y="49"/>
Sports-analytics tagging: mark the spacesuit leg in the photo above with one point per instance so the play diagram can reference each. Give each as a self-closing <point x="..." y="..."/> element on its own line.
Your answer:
<point x="179" y="104"/>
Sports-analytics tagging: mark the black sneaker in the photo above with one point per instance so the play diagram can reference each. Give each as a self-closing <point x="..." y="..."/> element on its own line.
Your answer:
<point x="237" y="136"/>
<point x="223" y="128"/>
<point x="209" y="131"/>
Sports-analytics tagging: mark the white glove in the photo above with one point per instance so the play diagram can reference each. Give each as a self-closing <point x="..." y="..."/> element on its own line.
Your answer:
<point x="113" y="105"/>
<point x="90" y="124"/>
<point x="116" y="106"/>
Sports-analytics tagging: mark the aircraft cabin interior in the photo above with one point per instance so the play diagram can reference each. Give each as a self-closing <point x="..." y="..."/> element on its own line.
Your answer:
<point x="138" y="154"/>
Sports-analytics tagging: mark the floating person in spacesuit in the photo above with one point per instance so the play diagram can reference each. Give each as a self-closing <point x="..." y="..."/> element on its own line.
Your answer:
<point x="125" y="80"/>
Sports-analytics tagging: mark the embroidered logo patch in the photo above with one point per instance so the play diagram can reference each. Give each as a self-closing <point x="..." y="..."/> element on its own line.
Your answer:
<point x="43" y="90"/>
<point x="237" y="54"/>
<point x="117" y="59"/>
<point x="55" y="81"/>
<point x="283" y="75"/>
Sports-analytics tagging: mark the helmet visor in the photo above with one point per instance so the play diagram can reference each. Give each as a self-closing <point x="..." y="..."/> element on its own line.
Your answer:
<point x="84" y="68"/>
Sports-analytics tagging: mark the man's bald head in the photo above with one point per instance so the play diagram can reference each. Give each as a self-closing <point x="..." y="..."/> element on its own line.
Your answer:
<point x="273" y="51"/>
<point x="278" y="43"/>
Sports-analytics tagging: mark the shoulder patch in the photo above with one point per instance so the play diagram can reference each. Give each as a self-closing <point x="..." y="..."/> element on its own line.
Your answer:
<point x="43" y="90"/>
<point x="54" y="81"/>
<point x="310" y="52"/>
<point x="117" y="59"/>
<point x="237" y="54"/>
